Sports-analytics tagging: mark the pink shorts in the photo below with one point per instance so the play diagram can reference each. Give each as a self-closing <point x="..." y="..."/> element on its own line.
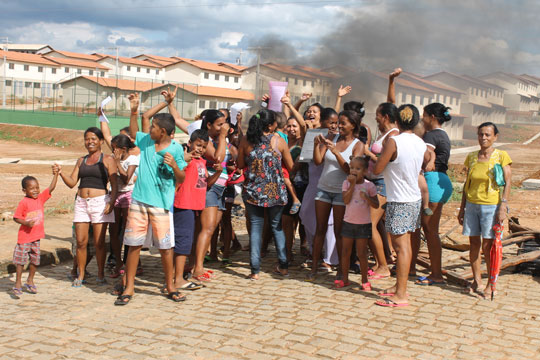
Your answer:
<point x="92" y="210"/>
<point x="27" y="250"/>
<point x="123" y="200"/>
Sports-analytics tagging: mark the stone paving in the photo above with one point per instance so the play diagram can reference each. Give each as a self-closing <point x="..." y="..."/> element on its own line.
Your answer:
<point x="267" y="319"/>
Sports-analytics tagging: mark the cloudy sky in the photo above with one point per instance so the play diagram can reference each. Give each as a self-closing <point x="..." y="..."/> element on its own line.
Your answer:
<point x="473" y="36"/>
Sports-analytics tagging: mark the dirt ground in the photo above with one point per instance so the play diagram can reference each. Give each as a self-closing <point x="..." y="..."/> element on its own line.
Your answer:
<point x="33" y="143"/>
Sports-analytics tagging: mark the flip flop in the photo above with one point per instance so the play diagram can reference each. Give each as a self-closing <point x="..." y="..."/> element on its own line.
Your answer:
<point x="277" y="272"/>
<point x="203" y="277"/>
<point x="376" y="276"/>
<point x="385" y="294"/>
<point x="176" y="297"/>
<point x="295" y="208"/>
<point x="341" y="284"/>
<point x="17" y="291"/>
<point x="389" y="303"/>
<point x="190" y="286"/>
<point x="32" y="289"/>
<point x="425" y="281"/>
<point x="121" y="300"/>
<point x="310" y="277"/>
<point x="77" y="283"/>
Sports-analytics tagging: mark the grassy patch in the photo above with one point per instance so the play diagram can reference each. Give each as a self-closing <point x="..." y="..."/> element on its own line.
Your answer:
<point x="28" y="140"/>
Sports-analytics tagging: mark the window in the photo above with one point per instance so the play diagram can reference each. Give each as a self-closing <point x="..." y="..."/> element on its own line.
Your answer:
<point x="11" y="66"/>
<point x="318" y="98"/>
<point x="66" y="69"/>
<point x="157" y="72"/>
<point x="148" y="71"/>
<point x="90" y="72"/>
<point x="27" y="84"/>
<point x="295" y="81"/>
<point x="79" y="71"/>
<point x="128" y="68"/>
<point x="202" y="104"/>
<point x="421" y="99"/>
<point x="55" y="86"/>
<point x="53" y="71"/>
<point x="212" y="104"/>
<point x="216" y="77"/>
<point x="8" y="82"/>
<point x="26" y="67"/>
<point x="102" y="74"/>
<point x="37" y="85"/>
<point x="40" y="68"/>
<point x="287" y="79"/>
<point x="138" y="69"/>
<point x="312" y="83"/>
<point x="206" y="75"/>
<point x="227" y="78"/>
<point x="403" y="98"/>
<point x="236" y="79"/>
<point x="413" y="99"/>
<point x="305" y="82"/>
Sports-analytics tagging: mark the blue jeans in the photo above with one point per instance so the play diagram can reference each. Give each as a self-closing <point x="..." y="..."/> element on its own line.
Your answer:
<point x="256" y="218"/>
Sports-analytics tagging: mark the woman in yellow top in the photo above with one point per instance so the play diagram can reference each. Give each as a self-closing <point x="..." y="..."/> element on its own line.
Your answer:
<point x="482" y="204"/>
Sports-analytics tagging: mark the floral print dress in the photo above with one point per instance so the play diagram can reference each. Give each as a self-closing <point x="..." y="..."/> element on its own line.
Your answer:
<point x="264" y="185"/>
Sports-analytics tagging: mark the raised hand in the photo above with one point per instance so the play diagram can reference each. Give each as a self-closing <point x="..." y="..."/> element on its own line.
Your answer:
<point x="306" y="96"/>
<point x="133" y="102"/>
<point x="265" y="98"/>
<point x="286" y="99"/>
<point x="395" y="73"/>
<point x="342" y="91"/>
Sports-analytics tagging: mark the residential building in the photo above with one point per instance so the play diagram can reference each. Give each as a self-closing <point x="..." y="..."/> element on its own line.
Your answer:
<point x="521" y="93"/>
<point x="130" y="68"/>
<point x="481" y="101"/>
<point x="28" y="48"/>
<point x="300" y="79"/>
<point x="72" y="55"/>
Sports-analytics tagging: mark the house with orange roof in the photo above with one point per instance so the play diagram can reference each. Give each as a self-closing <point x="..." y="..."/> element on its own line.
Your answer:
<point x="301" y="80"/>
<point x="86" y="91"/>
<point x="131" y="68"/>
<point x="521" y="95"/>
<point x="481" y="101"/>
<point x="72" y="55"/>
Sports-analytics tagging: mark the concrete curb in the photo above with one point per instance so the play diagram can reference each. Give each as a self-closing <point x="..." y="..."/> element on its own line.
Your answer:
<point x="47" y="258"/>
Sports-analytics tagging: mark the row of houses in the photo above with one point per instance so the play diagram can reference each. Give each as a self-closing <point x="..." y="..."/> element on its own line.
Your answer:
<point x="494" y="97"/>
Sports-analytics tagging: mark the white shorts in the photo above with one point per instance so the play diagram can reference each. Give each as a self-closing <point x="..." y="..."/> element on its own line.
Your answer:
<point x="92" y="210"/>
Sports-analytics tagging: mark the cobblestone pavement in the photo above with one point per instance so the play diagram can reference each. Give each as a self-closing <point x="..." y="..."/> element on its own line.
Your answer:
<point x="271" y="318"/>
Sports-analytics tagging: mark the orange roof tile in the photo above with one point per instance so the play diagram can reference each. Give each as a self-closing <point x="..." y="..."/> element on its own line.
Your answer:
<point x="26" y="58"/>
<point x="79" y="63"/>
<point x="74" y="55"/>
<point x="225" y="93"/>
<point x="427" y="83"/>
<point x="205" y="65"/>
<point x="466" y="78"/>
<point x="132" y="61"/>
<point x="158" y="57"/>
<point x="233" y="66"/>
<point x="317" y="72"/>
<point x="129" y="85"/>
<point x="288" y="70"/>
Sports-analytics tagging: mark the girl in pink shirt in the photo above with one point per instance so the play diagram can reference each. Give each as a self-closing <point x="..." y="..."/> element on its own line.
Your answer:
<point x="359" y="196"/>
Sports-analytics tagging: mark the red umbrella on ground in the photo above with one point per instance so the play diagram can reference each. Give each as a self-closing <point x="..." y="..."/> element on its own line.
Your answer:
<point x="495" y="256"/>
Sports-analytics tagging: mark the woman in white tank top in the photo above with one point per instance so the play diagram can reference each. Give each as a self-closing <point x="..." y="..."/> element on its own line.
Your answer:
<point x="335" y="154"/>
<point x="400" y="163"/>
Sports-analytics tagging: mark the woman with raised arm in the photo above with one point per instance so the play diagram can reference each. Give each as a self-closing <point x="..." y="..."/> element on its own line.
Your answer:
<point x="400" y="163"/>
<point x="483" y="204"/>
<point x="94" y="204"/>
<point x="261" y="154"/>
<point x="335" y="154"/>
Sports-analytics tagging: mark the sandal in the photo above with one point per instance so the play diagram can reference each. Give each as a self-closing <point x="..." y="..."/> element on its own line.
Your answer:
<point x="101" y="281"/>
<point x="176" y="297"/>
<point x="226" y="262"/>
<point x="253" y="277"/>
<point x="341" y="284"/>
<point x="121" y="300"/>
<point x="366" y="286"/>
<point x="32" y="289"/>
<point x="203" y="277"/>
<point x="117" y="290"/>
<point x="77" y="283"/>
<point x="118" y="273"/>
<point x="310" y="277"/>
<point x="277" y="271"/>
<point x="191" y="286"/>
<point x="295" y="208"/>
<point x="17" y="291"/>
<point x="389" y="303"/>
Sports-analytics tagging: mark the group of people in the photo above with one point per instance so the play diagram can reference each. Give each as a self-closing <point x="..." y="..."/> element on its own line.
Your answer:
<point x="356" y="192"/>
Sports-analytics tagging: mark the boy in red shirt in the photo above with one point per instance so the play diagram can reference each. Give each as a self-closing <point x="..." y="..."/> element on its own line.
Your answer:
<point x="29" y="215"/>
<point x="190" y="198"/>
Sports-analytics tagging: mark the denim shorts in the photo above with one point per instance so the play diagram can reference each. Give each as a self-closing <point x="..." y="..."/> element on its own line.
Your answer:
<point x="439" y="186"/>
<point x="381" y="187"/>
<point x="479" y="220"/>
<point x="356" y="231"/>
<point x="215" y="197"/>
<point x="329" y="197"/>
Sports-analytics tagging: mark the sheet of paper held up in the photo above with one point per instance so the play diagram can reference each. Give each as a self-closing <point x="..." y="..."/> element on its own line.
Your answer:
<point x="309" y="143"/>
<point x="103" y="117"/>
<point x="237" y="108"/>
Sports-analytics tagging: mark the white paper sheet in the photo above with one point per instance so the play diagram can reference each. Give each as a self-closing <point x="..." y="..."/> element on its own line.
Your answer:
<point x="103" y="117"/>
<point x="235" y="109"/>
